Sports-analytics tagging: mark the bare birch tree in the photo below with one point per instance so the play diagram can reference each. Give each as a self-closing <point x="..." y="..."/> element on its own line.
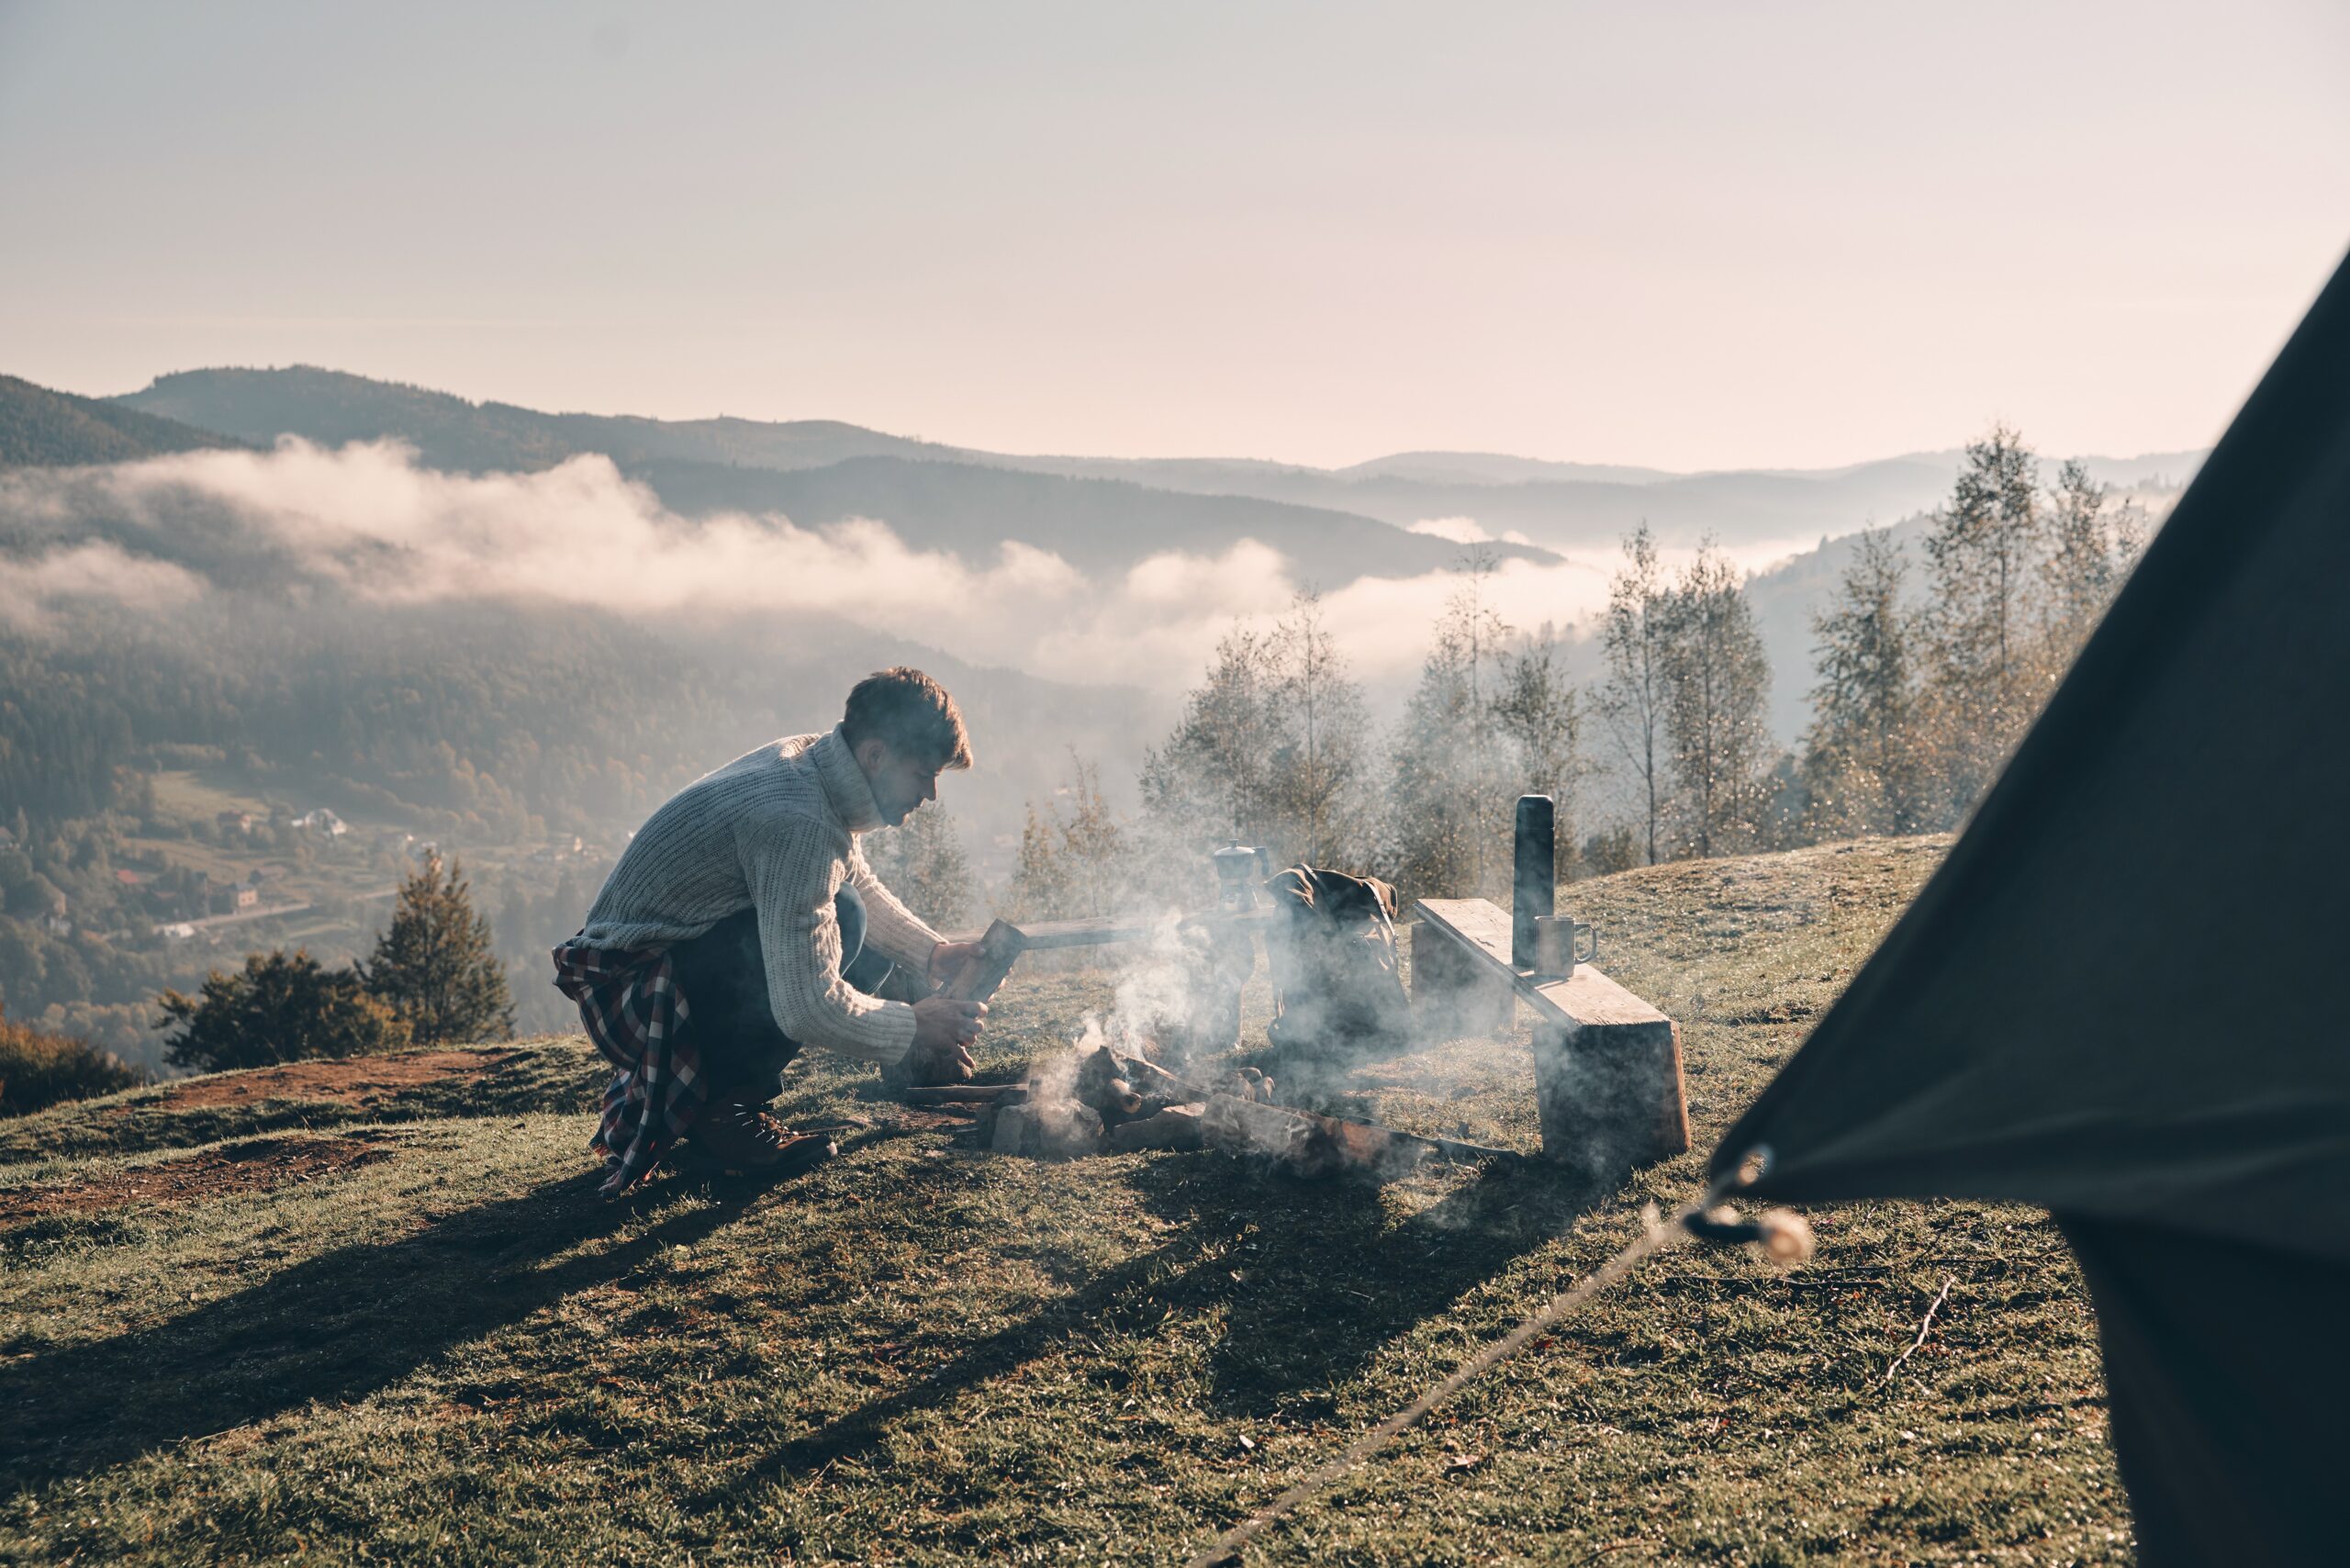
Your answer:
<point x="1317" y="766"/>
<point x="1535" y="713"/>
<point x="1860" y="763"/>
<point x="1450" y="777"/>
<point x="1982" y="676"/>
<point x="1631" y="699"/>
<point x="1717" y="683"/>
<point x="1214" y="776"/>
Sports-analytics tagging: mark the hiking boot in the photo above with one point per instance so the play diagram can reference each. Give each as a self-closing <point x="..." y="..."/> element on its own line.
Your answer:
<point x="739" y="1136"/>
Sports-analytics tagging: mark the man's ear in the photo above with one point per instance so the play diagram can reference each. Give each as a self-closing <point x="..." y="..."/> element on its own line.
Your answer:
<point x="870" y="754"/>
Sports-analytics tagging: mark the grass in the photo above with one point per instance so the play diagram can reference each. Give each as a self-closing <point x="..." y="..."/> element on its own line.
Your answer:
<point x="921" y="1353"/>
<point x="192" y="797"/>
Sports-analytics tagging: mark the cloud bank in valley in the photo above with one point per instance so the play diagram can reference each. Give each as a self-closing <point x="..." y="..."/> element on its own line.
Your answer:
<point x="370" y="518"/>
<point x="32" y="590"/>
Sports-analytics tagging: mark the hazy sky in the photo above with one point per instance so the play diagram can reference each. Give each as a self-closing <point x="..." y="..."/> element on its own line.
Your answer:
<point x="1691" y="235"/>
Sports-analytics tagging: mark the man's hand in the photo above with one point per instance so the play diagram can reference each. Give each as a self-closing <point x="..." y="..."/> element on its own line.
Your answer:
<point x="950" y="956"/>
<point x="941" y="1021"/>
<point x="942" y="1028"/>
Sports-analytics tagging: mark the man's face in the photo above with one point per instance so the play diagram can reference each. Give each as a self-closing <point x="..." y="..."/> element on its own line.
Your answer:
<point x="899" y="783"/>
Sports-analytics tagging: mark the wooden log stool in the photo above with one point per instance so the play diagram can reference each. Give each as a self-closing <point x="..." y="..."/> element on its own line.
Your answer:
<point x="1607" y="1079"/>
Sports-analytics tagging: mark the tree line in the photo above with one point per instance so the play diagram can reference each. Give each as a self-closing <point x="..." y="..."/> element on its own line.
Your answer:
<point x="434" y="977"/>
<point x="1923" y="681"/>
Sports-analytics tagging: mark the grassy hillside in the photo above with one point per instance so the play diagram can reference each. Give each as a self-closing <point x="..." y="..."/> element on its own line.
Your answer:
<point x="39" y="428"/>
<point x="262" y="1320"/>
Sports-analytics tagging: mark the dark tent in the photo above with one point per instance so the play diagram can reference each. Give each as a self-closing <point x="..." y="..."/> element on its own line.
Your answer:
<point x="2113" y="1000"/>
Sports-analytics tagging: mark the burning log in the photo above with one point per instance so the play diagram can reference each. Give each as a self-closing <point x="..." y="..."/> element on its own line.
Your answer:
<point x="1104" y="1085"/>
<point x="1308" y="1145"/>
<point x="1240" y="1125"/>
<point x="1118" y="1103"/>
<point x="1154" y="1079"/>
<point x="1177" y="1126"/>
<point x="1249" y="1083"/>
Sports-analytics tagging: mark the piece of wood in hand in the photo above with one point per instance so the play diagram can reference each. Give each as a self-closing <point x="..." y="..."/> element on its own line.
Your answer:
<point x="977" y="979"/>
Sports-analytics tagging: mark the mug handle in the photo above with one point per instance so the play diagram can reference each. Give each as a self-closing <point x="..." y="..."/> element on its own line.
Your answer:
<point x="1584" y="929"/>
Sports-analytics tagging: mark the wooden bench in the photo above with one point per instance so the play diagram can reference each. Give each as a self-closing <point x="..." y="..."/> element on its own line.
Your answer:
<point x="1607" y="1076"/>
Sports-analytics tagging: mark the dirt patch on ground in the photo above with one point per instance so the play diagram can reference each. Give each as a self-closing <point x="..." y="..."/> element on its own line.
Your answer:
<point x="255" y="1165"/>
<point x="354" y="1081"/>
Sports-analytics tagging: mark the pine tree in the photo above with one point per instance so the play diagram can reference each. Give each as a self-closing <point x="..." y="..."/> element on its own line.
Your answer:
<point x="2079" y="568"/>
<point x="922" y="861"/>
<point x="1269" y="750"/>
<point x="1861" y="761"/>
<point x="2092" y="545"/>
<point x="437" y="962"/>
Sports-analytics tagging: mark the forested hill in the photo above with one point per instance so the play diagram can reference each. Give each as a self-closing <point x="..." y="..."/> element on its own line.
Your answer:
<point x="495" y="721"/>
<point x="39" y="428"/>
<point x="331" y="407"/>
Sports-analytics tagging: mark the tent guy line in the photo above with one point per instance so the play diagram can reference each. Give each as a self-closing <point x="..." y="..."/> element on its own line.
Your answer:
<point x="1655" y="1235"/>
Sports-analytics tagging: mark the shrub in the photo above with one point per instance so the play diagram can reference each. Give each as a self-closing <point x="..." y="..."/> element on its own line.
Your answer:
<point x="436" y="964"/>
<point x="38" y="1069"/>
<point x="281" y="1008"/>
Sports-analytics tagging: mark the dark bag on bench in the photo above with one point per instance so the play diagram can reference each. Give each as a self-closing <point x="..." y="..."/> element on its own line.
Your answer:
<point x="1337" y="989"/>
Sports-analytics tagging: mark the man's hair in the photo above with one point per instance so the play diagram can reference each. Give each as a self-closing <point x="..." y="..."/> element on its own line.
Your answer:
<point x="911" y="712"/>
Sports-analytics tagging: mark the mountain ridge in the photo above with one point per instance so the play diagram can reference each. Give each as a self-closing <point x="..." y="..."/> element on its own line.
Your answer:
<point x="1554" y="505"/>
<point x="40" y="427"/>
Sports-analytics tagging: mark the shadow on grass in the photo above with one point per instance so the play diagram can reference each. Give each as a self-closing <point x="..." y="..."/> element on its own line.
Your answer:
<point x="1132" y="1295"/>
<point x="1318" y="1282"/>
<point x="336" y="1327"/>
<point x="1327" y="1279"/>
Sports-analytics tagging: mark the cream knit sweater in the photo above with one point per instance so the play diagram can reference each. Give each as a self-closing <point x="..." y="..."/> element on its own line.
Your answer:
<point x="774" y="830"/>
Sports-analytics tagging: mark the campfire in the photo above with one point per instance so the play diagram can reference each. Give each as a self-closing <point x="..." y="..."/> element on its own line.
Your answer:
<point x="1101" y="1100"/>
<point x="1607" y="1065"/>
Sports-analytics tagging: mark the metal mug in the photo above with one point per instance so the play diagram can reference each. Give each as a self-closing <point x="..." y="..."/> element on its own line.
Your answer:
<point x="1560" y="944"/>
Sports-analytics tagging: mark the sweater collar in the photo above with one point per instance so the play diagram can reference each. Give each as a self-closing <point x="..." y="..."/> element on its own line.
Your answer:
<point x="844" y="782"/>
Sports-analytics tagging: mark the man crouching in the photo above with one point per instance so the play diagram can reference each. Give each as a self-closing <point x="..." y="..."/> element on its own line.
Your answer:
<point x="743" y="923"/>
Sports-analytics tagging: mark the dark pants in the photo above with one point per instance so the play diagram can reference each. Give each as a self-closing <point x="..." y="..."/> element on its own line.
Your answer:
<point x="723" y="977"/>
